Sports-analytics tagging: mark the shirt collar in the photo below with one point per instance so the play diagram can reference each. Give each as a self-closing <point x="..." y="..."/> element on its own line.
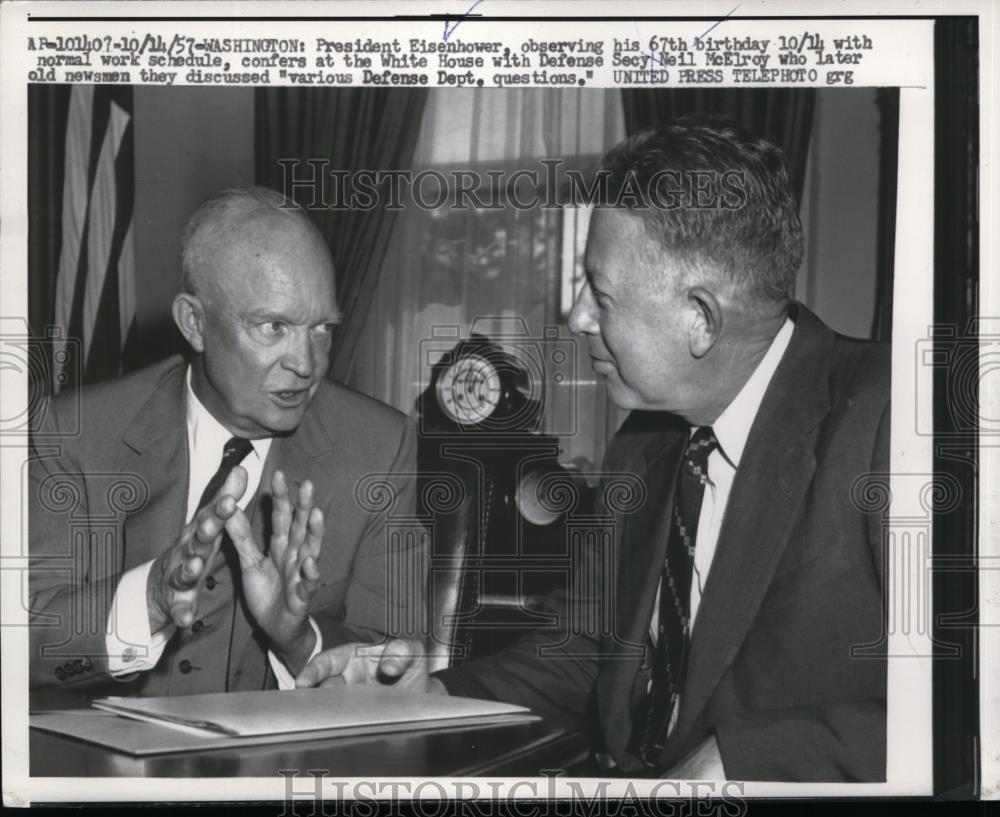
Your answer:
<point x="205" y="433"/>
<point x="732" y="428"/>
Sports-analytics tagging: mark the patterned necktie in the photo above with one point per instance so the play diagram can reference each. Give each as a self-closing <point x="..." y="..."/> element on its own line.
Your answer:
<point x="232" y="455"/>
<point x="674" y="628"/>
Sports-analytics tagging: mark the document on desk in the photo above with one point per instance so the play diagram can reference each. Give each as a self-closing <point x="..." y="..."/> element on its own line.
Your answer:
<point x="246" y="714"/>
<point x="226" y="719"/>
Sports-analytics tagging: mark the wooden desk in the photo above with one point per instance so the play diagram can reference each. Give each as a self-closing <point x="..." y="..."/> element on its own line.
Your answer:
<point x="514" y="750"/>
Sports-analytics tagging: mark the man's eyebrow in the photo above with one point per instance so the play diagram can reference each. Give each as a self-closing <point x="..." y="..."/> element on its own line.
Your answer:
<point x="267" y="315"/>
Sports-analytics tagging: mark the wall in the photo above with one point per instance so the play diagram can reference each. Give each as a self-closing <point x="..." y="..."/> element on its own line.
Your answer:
<point x="189" y="143"/>
<point x="840" y="213"/>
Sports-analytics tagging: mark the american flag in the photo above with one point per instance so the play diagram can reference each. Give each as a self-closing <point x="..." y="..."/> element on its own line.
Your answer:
<point x="95" y="285"/>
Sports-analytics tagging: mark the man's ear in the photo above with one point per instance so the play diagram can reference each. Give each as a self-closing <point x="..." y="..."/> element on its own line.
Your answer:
<point x="189" y="315"/>
<point x="706" y="328"/>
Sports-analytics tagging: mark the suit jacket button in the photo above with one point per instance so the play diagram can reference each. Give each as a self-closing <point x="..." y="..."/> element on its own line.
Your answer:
<point x="184" y="666"/>
<point x="60" y="673"/>
<point x="210" y="582"/>
<point x="77" y="666"/>
<point x="198" y="626"/>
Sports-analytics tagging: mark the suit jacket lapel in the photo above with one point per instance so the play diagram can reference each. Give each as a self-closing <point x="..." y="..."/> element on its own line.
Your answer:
<point x="642" y="536"/>
<point x="644" y="539"/>
<point x="155" y="450"/>
<point x="771" y="482"/>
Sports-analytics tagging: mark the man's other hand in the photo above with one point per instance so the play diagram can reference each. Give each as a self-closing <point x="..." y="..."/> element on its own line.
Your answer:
<point x="176" y="576"/>
<point x="400" y="663"/>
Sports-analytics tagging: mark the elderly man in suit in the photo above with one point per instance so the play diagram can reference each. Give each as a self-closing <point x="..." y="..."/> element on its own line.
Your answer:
<point x="172" y="550"/>
<point x="745" y="587"/>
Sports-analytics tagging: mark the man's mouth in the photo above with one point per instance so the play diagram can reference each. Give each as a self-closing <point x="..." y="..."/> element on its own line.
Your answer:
<point x="601" y="365"/>
<point x="290" y="398"/>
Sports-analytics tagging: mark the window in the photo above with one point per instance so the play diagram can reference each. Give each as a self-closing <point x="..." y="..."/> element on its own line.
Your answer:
<point x="494" y="248"/>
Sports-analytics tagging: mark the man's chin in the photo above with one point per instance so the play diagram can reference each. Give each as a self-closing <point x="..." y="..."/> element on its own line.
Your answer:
<point x="621" y="397"/>
<point x="283" y="421"/>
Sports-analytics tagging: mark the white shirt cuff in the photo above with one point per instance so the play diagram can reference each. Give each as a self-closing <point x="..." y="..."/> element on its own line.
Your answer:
<point x="130" y="645"/>
<point x="285" y="679"/>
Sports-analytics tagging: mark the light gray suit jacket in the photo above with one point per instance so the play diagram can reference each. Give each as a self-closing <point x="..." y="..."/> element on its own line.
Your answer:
<point x="113" y="495"/>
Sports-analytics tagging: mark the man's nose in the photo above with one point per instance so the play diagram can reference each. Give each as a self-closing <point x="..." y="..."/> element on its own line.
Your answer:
<point x="583" y="316"/>
<point x="300" y="356"/>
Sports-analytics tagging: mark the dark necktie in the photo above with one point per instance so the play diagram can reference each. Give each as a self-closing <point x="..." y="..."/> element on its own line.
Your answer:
<point x="232" y="455"/>
<point x="674" y="627"/>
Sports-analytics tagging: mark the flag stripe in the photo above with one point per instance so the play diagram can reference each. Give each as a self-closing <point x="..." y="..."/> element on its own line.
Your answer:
<point x="126" y="289"/>
<point x="101" y="228"/>
<point x="100" y="110"/>
<point x="74" y="208"/>
<point x="95" y="287"/>
<point x="122" y="247"/>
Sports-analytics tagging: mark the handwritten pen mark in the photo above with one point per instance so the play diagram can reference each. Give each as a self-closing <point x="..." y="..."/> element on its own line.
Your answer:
<point x="710" y="28"/>
<point x="448" y="31"/>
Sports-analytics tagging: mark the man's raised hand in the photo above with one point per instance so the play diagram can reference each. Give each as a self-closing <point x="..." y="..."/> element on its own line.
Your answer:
<point x="279" y="584"/>
<point x="176" y="576"/>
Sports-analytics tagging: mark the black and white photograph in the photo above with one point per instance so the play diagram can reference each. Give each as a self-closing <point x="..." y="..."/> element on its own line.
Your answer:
<point x="507" y="405"/>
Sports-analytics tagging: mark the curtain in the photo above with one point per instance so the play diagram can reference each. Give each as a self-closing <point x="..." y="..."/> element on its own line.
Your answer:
<point x="448" y="272"/>
<point x="781" y="115"/>
<point x="888" y="106"/>
<point x="348" y="129"/>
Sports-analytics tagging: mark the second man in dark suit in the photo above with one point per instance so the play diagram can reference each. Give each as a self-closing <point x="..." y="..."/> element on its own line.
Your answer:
<point x="745" y="594"/>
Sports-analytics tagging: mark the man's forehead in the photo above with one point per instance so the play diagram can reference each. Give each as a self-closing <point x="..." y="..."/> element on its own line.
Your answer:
<point x="274" y="237"/>
<point x="616" y="225"/>
<point x="261" y="264"/>
<point x="270" y="226"/>
<point x="614" y="232"/>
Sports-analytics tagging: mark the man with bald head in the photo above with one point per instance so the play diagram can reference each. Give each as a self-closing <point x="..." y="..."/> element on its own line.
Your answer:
<point x="215" y="541"/>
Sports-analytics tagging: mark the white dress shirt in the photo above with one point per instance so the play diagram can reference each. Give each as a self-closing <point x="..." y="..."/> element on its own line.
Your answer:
<point x="131" y="647"/>
<point x="732" y="428"/>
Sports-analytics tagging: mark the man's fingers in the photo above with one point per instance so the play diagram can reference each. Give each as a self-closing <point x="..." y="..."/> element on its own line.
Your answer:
<point x="238" y="528"/>
<point x="208" y="524"/>
<point x="235" y="484"/>
<point x="327" y="664"/>
<point x="361" y="663"/>
<point x="310" y="550"/>
<point x="310" y="570"/>
<point x="187" y="573"/>
<point x="183" y="609"/>
<point x="303" y="508"/>
<point x="314" y="537"/>
<point x="211" y="518"/>
<point x="281" y="516"/>
<point x="298" y="592"/>
<point x="302" y="586"/>
<point x="399" y="655"/>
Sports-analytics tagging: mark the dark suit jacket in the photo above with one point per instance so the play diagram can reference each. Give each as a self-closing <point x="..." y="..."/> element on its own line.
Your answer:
<point x="796" y="584"/>
<point x="114" y="496"/>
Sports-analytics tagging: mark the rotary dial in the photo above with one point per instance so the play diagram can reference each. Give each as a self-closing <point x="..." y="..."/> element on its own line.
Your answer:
<point x="468" y="391"/>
